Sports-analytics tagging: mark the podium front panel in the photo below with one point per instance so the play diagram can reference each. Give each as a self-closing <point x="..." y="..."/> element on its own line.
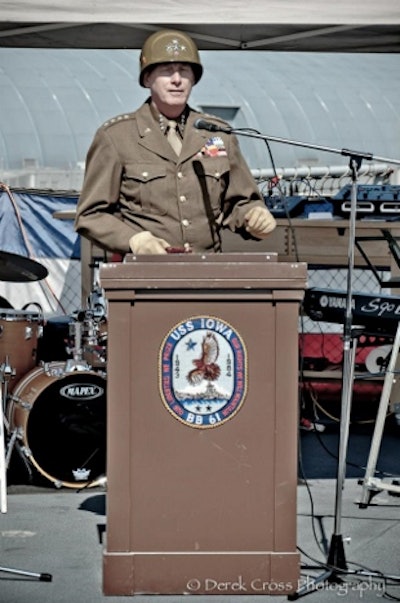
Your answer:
<point x="202" y="431"/>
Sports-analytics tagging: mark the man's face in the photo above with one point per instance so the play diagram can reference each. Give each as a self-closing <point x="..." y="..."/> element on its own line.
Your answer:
<point x="170" y="85"/>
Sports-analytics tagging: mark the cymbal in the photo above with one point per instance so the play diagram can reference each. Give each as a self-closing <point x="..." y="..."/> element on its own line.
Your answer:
<point x="19" y="269"/>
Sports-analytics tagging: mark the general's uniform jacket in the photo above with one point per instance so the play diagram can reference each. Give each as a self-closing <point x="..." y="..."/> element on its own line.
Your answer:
<point x="134" y="181"/>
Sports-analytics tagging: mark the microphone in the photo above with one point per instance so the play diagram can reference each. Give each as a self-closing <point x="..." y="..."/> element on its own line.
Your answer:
<point x="202" y="124"/>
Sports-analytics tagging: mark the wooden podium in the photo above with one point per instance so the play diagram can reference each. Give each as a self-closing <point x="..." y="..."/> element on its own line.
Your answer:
<point x="202" y="424"/>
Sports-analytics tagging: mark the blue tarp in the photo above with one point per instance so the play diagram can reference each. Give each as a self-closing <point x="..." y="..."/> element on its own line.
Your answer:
<point x="48" y="237"/>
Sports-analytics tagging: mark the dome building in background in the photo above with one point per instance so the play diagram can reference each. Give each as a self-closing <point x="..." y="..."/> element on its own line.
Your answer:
<point x="52" y="102"/>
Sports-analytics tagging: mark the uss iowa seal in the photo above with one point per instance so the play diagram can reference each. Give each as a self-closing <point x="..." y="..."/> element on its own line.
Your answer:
<point x="203" y="371"/>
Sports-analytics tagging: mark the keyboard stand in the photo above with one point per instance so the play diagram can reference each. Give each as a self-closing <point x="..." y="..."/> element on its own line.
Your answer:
<point x="371" y="484"/>
<point x="394" y="248"/>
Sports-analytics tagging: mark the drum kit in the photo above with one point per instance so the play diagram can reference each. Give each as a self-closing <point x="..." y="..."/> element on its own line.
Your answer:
<point x="53" y="408"/>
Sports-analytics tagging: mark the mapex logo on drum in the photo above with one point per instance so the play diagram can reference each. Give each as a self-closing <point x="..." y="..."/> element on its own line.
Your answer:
<point x="86" y="391"/>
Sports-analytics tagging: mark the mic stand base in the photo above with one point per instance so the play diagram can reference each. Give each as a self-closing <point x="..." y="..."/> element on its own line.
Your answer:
<point x="336" y="557"/>
<point x="336" y="566"/>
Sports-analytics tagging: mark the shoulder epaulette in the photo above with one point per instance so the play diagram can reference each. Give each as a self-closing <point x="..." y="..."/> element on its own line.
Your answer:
<point x="116" y="119"/>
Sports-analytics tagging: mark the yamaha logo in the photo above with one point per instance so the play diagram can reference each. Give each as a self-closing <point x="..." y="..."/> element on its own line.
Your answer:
<point x="81" y="391"/>
<point x="203" y="372"/>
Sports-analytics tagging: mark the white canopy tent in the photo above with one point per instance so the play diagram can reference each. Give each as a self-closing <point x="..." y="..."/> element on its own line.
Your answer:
<point x="288" y="25"/>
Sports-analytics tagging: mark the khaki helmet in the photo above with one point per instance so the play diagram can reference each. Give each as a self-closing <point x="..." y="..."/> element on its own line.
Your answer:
<point x="169" y="46"/>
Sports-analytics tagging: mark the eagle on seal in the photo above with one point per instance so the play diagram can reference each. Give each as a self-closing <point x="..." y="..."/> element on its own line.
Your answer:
<point x="206" y="366"/>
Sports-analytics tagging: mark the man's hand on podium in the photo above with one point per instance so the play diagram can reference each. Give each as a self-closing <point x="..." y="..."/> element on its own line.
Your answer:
<point x="145" y="242"/>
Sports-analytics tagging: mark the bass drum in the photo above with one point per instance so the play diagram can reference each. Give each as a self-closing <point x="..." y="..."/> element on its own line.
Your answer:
<point x="61" y="418"/>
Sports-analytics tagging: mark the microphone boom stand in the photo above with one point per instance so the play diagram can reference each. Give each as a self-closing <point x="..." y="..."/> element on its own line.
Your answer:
<point x="336" y="562"/>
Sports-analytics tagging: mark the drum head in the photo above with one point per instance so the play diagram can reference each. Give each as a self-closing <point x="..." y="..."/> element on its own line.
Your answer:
<point x="66" y="429"/>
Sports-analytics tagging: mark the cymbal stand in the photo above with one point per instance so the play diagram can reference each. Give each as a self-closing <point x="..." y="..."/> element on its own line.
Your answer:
<point x="3" y="481"/>
<point x="6" y="374"/>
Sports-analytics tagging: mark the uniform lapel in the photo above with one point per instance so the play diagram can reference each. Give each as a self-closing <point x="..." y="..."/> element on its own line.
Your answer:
<point x="194" y="139"/>
<point x="149" y="135"/>
<point x="149" y="138"/>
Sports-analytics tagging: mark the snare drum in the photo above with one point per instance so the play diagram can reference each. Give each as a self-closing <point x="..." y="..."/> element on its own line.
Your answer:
<point x="19" y="333"/>
<point x="61" y="418"/>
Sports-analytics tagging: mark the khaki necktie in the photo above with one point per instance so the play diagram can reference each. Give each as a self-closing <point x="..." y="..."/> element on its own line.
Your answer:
<point x="173" y="137"/>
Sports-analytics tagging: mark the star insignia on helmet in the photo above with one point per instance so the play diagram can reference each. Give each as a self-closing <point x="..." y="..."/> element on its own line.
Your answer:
<point x="174" y="47"/>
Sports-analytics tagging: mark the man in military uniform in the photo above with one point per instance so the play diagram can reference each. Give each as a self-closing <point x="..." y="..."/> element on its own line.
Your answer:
<point x="153" y="182"/>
